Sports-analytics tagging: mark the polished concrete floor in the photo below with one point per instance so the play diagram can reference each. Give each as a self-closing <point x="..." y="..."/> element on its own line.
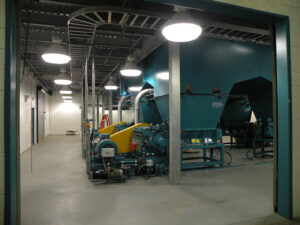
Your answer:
<point x="57" y="192"/>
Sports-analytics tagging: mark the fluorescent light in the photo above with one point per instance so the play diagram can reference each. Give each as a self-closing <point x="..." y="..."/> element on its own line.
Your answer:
<point x="163" y="75"/>
<point x="130" y="69"/>
<point x="66" y="97"/>
<point x="68" y="100"/>
<point x="65" y="91"/>
<point x="108" y="87"/>
<point x="130" y="72"/>
<point x="111" y="84"/>
<point x="63" y="80"/>
<point x="56" y="54"/>
<point x="56" y="58"/>
<point x="181" y="28"/>
<point x="135" y="88"/>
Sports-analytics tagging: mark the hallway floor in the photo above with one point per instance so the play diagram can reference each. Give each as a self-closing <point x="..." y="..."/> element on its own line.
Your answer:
<point x="57" y="192"/>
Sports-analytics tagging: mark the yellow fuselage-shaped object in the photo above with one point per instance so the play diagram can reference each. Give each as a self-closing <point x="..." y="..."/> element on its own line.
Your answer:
<point x="110" y="129"/>
<point x="123" y="138"/>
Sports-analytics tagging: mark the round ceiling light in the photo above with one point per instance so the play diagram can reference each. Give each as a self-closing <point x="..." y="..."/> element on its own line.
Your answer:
<point x="56" y="54"/>
<point x="65" y="91"/>
<point x="135" y="88"/>
<point x="63" y="80"/>
<point x="66" y="97"/>
<point x="130" y="69"/>
<point x="181" y="28"/>
<point x="111" y="84"/>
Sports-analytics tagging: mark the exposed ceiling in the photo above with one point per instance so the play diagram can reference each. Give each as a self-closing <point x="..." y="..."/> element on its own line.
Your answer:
<point x="111" y="30"/>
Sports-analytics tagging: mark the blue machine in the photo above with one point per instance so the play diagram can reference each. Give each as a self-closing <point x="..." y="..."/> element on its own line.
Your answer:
<point x="205" y="87"/>
<point x="151" y="145"/>
<point x="122" y="126"/>
<point x="263" y="137"/>
<point x="105" y="163"/>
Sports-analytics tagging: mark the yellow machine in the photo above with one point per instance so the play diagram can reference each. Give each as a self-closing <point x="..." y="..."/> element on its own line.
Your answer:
<point x="123" y="138"/>
<point x="110" y="129"/>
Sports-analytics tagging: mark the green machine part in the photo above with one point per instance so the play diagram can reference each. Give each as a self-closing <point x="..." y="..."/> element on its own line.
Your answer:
<point x="209" y="69"/>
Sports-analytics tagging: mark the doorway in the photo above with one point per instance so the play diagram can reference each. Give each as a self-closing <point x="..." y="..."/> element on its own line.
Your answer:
<point x="282" y="96"/>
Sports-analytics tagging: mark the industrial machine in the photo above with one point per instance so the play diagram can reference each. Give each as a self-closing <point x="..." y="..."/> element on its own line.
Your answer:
<point x="151" y="145"/>
<point x="263" y="137"/>
<point x="143" y="148"/>
<point x="114" y="158"/>
<point x="123" y="126"/>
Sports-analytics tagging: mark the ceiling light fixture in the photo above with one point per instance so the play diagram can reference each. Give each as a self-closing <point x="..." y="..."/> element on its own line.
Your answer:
<point x="135" y="88"/>
<point x="163" y="75"/>
<point x="65" y="91"/>
<point x="68" y="100"/>
<point x="56" y="54"/>
<point x="181" y="28"/>
<point x="111" y="84"/>
<point x="66" y="97"/>
<point x="130" y="69"/>
<point x="63" y="79"/>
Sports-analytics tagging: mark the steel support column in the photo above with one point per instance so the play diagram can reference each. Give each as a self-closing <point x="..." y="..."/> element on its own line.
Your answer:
<point x="97" y="111"/>
<point x="110" y="106"/>
<point x="93" y="89"/>
<point x="103" y="106"/>
<point x="86" y="95"/>
<point x="82" y="119"/>
<point x="174" y="107"/>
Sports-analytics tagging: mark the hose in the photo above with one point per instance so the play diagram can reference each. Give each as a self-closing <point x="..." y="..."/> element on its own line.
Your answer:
<point x="230" y="159"/>
<point x="139" y="169"/>
<point x="247" y="154"/>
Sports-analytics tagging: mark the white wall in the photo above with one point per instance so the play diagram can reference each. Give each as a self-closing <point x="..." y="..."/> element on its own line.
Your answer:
<point x="64" y="116"/>
<point x="28" y="88"/>
<point x="47" y="114"/>
<point x="127" y="115"/>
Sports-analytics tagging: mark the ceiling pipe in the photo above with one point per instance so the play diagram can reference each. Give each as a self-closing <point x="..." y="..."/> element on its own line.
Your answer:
<point x="137" y="103"/>
<point x="120" y="106"/>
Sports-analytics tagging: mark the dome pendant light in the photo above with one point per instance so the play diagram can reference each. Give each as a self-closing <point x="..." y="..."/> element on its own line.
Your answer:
<point x="181" y="28"/>
<point x="56" y="54"/>
<point x="63" y="79"/>
<point x="111" y="84"/>
<point x="65" y="91"/>
<point x="130" y="69"/>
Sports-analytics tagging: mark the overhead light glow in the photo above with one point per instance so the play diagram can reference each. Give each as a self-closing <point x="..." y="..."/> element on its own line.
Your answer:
<point x="56" y="58"/>
<point x="111" y="85"/>
<point x="163" y="75"/>
<point x="68" y="100"/>
<point x="181" y="28"/>
<point x="130" y="69"/>
<point x="130" y="72"/>
<point x="135" y="88"/>
<point x="56" y="54"/>
<point x="65" y="91"/>
<point x="66" y="97"/>
<point x="63" y="80"/>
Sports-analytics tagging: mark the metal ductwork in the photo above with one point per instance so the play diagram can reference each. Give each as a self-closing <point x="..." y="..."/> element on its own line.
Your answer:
<point x="120" y="106"/>
<point x="137" y="103"/>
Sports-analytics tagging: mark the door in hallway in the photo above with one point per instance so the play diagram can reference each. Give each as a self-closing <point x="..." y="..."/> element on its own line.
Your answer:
<point x="40" y="115"/>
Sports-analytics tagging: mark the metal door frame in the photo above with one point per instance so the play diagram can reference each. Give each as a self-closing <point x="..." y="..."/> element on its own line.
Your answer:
<point x="281" y="25"/>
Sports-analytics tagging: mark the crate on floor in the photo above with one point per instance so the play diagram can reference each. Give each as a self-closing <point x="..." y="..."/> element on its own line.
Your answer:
<point x="71" y="132"/>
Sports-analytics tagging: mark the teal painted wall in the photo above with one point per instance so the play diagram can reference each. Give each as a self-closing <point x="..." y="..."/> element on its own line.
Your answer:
<point x="2" y="54"/>
<point x="205" y="64"/>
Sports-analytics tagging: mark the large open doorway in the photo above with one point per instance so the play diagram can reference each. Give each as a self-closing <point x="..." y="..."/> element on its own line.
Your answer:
<point x="282" y="169"/>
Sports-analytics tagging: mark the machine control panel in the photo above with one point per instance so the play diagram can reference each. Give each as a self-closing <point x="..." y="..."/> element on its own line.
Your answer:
<point x="108" y="152"/>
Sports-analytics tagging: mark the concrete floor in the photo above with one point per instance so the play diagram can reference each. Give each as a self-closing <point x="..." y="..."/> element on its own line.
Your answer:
<point x="57" y="192"/>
